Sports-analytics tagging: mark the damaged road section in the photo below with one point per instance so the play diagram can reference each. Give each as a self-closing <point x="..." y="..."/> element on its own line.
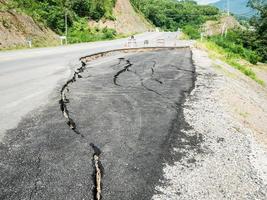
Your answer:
<point x="77" y="74"/>
<point x="134" y="123"/>
<point x="133" y="117"/>
<point x="64" y="100"/>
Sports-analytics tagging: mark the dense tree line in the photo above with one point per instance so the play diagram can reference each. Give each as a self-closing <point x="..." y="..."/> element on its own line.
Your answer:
<point x="166" y="14"/>
<point x="250" y="43"/>
<point x="172" y="14"/>
<point x="257" y="39"/>
<point x="51" y="12"/>
<point x="254" y="38"/>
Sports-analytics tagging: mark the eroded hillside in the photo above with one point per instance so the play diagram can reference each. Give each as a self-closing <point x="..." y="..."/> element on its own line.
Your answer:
<point x="16" y="28"/>
<point x="127" y="20"/>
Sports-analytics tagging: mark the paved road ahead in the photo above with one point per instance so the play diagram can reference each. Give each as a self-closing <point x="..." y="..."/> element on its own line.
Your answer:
<point x="28" y="76"/>
<point x="132" y="115"/>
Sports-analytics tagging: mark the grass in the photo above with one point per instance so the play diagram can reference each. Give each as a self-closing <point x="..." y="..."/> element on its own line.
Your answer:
<point x="217" y="52"/>
<point x="37" y="42"/>
<point x="42" y="42"/>
<point x="231" y="47"/>
<point x="183" y="36"/>
<point x="225" y="71"/>
<point x="244" y="114"/>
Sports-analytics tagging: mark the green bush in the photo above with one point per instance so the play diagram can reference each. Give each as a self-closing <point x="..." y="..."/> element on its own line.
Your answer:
<point x="233" y="44"/>
<point x="257" y="40"/>
<point x="52" y="12"/>
<point x="192" y="31"/>
<point x="109" y="33"/>
<point x="171" y="15"/>
<point x="81" y="32"/>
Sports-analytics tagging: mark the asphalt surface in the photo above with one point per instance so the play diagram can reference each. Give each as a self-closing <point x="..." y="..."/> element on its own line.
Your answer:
<point x="128" y="106"/>
<point x="27" y="77"/>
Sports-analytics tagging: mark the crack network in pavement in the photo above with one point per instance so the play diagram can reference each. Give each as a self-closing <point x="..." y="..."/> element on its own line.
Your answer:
<point x="64" y="101"/>
<point x="173" y="104"/>
<point x="98" y="168"/>
<point x="125" y="68"/>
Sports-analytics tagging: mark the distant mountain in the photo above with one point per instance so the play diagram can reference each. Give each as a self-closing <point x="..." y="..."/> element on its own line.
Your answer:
<point x="237" y="7"/>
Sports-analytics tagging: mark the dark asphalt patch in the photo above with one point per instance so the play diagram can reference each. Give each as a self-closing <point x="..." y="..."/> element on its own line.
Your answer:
<point x="134" y="123"/>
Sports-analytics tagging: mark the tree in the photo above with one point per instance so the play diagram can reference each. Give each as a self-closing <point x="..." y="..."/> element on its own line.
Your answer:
<point x="260" y="23"/>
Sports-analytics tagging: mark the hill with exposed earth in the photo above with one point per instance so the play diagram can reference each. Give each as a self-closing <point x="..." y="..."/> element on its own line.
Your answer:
<point x="19" y="25"/>
<point x="127" y="20"/>
<point x="16" y="28"/>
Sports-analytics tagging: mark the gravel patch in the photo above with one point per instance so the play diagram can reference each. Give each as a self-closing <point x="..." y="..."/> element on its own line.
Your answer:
<point x="228" y="163"/>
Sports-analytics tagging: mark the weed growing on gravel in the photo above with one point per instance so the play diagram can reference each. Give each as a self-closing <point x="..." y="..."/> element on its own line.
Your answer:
<point x="217" y="52"/>
<point x="37" y="42"/>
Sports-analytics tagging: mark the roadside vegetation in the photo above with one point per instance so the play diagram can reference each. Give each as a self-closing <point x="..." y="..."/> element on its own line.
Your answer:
<point x="234" y="60"/>
<point x="81" y="32"/>
<point x="232" y="50"/>
<point x="234" y="44"/>
<point x="247" y="44"/>
<point x="170" y="15"/>
<point x="51" y="13"/>
<point x="235" y="48"/>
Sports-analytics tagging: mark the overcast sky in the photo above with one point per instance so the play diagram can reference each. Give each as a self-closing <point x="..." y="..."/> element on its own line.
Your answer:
<point x="206" y="1"/>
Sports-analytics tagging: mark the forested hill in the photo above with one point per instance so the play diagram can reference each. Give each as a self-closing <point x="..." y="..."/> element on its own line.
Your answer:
<point x="42" y="21"/>
<point x="166" y="14"/>
<point x="51" y="12"/>
<point x="171" y="14"/>
<point x="189" y="16"/>
<point x="23" y="19"/>
<point x="237" y="7"/>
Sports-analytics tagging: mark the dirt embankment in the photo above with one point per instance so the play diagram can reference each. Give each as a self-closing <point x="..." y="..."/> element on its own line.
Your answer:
<point x="16" y="28"/>
<point x="127" y="20"/>
<point x="220" y="26"/>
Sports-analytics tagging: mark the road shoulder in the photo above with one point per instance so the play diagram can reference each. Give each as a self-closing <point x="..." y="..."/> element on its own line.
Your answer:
<point x="229" y="163"/>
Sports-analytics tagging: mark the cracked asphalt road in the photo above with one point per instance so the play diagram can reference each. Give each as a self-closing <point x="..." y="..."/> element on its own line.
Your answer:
<point x="24" y="72"/>
<point x="134" y="121"/>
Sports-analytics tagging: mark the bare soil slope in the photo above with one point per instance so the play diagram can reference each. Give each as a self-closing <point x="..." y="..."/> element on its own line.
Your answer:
<point x="223" y="24"/>
<point x="127" y="20"/>
<point x="16" y="28"/>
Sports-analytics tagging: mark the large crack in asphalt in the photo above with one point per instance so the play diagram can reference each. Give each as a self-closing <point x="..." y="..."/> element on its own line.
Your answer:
<point x="98" y="168"/>
<point x="64" y="100"/>
<point x="128" y="67"/>
<point x="125" y="68"/>
<point x="98" y="172"/>
<point x="131" y="125"/>
<point x="174" y="105"/>
<point x="153" y="73"/>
